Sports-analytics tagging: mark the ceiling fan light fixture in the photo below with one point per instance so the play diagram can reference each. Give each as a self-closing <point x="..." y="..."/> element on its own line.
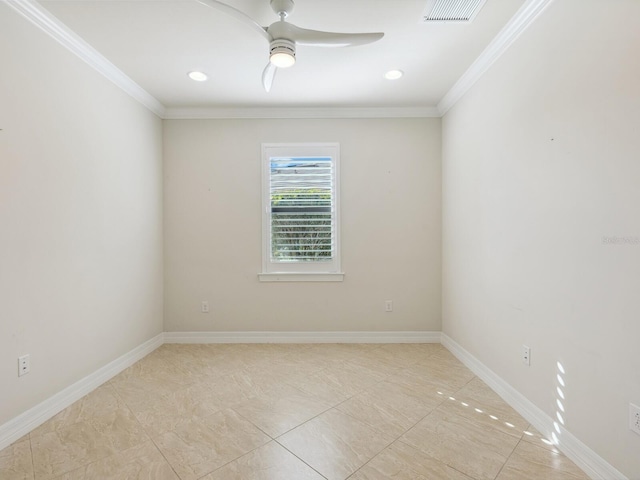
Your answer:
<point x="393" y="74"/>
<point x="282" y="53"/>
<point x="198" y="76"/>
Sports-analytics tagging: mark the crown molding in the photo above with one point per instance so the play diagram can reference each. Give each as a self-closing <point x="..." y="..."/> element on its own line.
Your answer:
<point x="300" y="112"/>
<point x="505" y="38"/>
<point x="45" y="21"/>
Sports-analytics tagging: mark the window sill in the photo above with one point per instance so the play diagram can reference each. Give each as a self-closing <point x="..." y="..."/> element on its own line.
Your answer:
<point x="301" y="277"/>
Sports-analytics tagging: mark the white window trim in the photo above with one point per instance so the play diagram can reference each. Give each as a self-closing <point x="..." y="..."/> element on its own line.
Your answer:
<point x="301" y="277"/>
<point x="307" y="272"/>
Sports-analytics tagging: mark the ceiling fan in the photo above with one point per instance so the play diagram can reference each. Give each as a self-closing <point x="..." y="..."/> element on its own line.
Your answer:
<point x="284" y="36"/>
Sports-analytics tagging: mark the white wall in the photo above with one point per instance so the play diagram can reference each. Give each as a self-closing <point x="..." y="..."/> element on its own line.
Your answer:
<point x="540" y="162"/>
<point x="390" y="175"/>
<point x="80" y="218"/>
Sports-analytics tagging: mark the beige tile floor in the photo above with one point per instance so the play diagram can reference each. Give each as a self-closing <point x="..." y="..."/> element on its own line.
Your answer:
<point x="289" y="412"/>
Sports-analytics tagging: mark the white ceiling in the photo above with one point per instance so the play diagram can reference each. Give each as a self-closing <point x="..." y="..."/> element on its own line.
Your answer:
<point x="157" y="42"/>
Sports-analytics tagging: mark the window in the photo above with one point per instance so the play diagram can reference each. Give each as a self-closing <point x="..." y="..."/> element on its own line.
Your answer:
<point x="300" y="212"/>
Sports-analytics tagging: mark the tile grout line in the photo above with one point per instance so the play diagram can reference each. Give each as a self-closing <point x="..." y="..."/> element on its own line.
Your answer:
<point x="514" y="448"/>
<point x="33" y="465"/>
<point x="272" y="439"/>
<point x="446" y="463"/>
<point x="335" y="407"/>
<point x="237" y="458"/>
<point x="117" y="393"/>
<point x="375" y="455"/>
<point x="165" y="458"/>
<point x="399" y="437"/>
<point x="275" y="439"/>
<point x="283" y="446"/>
<point x="507" y="460"/>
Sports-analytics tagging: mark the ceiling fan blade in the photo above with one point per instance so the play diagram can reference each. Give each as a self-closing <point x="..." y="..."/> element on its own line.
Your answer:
<point x="316" y="38"/>
<point x="268" y="75"/>
<point x="238" y="15"/>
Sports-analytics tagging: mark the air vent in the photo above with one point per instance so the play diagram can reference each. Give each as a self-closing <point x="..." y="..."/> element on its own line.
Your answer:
<point x="451" y="10"/>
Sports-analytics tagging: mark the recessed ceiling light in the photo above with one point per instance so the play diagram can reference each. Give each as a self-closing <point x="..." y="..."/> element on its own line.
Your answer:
<point x="393" y="74"/>
<point x="198" y="76"/>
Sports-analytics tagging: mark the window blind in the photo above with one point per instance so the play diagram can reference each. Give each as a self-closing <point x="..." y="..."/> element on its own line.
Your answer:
<point x="302" y="205"/>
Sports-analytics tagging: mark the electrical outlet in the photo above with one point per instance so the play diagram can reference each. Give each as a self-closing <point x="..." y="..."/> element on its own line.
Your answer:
<point x="388" y="306"/>
<point x="526" y="355"/>
<point x="24" y="365"/>
<point x="634" y="418"/>
<point x="205" y="306"/>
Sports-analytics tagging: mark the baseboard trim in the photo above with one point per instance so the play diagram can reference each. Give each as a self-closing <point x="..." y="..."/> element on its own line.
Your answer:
<point x="36" y="416"/>
<point x="302" y="337"/>
<point x="589" y="461"/>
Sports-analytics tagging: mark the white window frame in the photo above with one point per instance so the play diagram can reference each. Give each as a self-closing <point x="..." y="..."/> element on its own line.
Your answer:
<point x="309" y="271"/>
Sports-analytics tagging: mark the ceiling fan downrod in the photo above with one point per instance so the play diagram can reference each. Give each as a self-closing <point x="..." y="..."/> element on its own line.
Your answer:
<point x="283" y="8"/>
